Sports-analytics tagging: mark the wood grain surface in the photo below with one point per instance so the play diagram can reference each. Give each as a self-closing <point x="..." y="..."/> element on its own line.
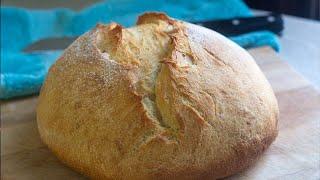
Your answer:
<point x="294" y="155"/>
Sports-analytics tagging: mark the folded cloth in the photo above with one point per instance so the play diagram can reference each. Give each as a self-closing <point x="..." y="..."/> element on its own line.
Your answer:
<point x="23" y="73"/>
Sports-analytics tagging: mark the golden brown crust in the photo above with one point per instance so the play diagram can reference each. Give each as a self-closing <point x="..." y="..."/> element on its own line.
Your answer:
<point x="153" y="17"/>
<point x="164" y="99"/>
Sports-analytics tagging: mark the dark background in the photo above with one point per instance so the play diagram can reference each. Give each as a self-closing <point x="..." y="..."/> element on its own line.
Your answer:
<point x="303" y="8"/>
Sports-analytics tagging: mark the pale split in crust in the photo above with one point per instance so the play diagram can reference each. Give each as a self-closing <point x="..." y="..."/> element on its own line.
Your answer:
<point x="161" y="100"/>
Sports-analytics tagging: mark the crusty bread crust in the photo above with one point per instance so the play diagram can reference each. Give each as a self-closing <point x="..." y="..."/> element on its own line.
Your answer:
<point x="162" y="100"/>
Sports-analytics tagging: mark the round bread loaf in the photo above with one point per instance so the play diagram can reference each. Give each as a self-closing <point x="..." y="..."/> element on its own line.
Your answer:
<point x="162" y="100"/>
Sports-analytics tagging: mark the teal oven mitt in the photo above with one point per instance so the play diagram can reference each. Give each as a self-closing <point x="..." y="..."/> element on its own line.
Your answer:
<point x="23" y="73"/>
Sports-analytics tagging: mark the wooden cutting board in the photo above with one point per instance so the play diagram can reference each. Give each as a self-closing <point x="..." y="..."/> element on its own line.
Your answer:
<point x="294" y="155"/>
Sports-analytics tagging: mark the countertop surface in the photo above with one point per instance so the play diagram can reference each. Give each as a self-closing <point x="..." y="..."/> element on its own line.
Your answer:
<point x="300" y="46"/>
<point x="300" y="43"/>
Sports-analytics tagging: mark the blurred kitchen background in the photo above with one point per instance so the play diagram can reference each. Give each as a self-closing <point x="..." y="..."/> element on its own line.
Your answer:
<point x="302" y="8"/>
<point x="299" y="41"/>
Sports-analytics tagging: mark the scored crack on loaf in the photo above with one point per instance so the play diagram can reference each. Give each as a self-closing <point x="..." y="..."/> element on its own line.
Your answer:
<point x="161" y="100"/>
